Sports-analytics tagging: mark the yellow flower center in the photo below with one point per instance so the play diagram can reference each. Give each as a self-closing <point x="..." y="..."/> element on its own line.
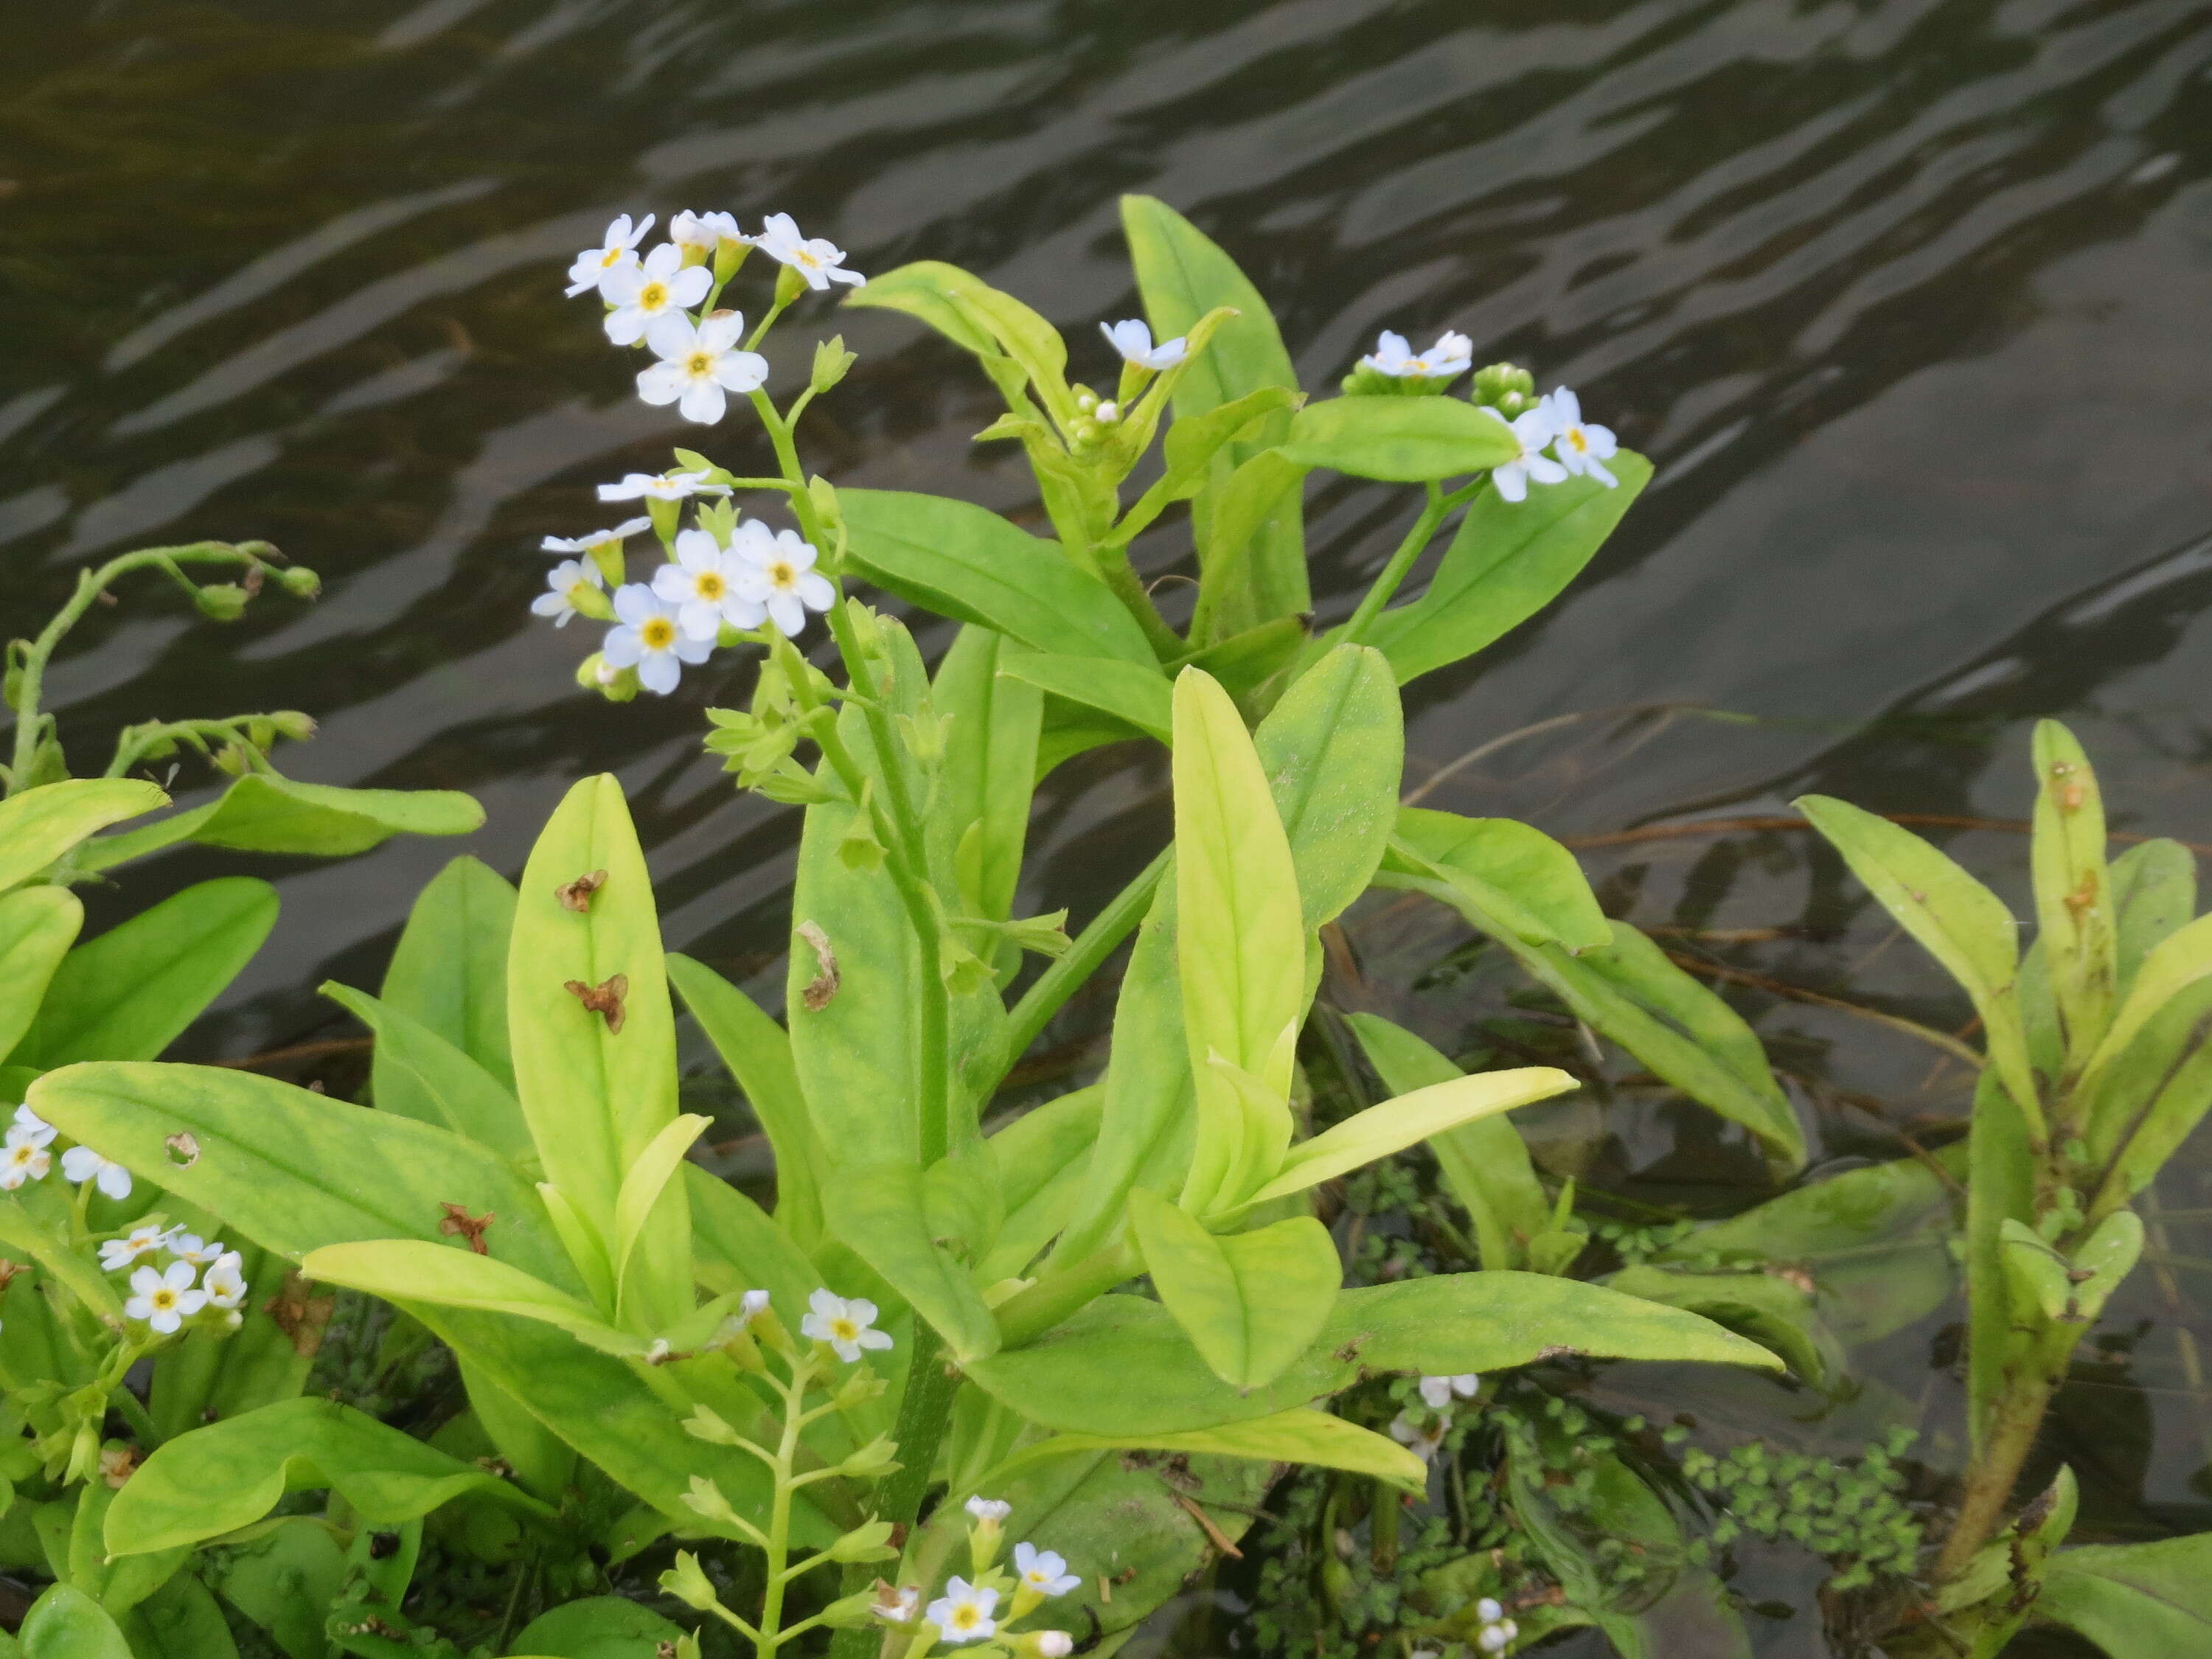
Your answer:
<point x="23" y="1155"/>
<point x="807" y="256"/>
<point x="1574" y="436"/>
<point x="612" y="256"/>
<point x="844" y="1330"/>
<point x="965" y="1618"/>
<point x="164" y="1299"/>
<point x="783" y="575"/>
<point x="709" y="586"/>
<point x="576" y="591"/>
<point x="699" y="364"/>
<point x="652" y="297"/>
<point x="657" y="634"/>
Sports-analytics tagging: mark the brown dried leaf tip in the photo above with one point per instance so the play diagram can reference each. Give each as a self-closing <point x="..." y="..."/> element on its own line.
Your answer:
<point x="577" y="894"/>
<point x="460" y="1223"/>
<point x="184" y="1149"/>
<point x="817" y="991"/>
<point x="299" y="1315"/>
<point x="604" y="1000"/>
<point x="9" y="1270"/>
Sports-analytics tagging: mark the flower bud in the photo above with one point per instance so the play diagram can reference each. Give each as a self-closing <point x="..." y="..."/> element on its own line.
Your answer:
<point x="879" y="1456"/>
<point x="233" y="760"/>
<point x="728" y="256"/>
<point x="1085" y="400"/>
<point x="706" y="1501"/>
<point x="853" y="1612"/>
<point x="1509" y="389"/>
<point x="224" y="601"/>
<point x="789" y="285"/>
<point x="867" y="1542"/>
<point x="299" y="582"/>
<point x="989" y="1532"/>
<point x="688" y="1583"/>
<point x="615" y="684"/>
<point x="1043" y="1644"/>
<point x="706" y="1424"/>
<point x="291" y="723"/>
<point x="1107" y="414"/>
<point x="832" y="363"/>
<point x="858" y="1390"/>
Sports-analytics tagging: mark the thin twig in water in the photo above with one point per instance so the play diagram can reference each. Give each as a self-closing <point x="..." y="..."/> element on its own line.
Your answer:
<point x="1941" y="1040"/>
<point x="1415" y="797"/>
<point x="1745" y="826"/>
<point x="296" y="1051"/>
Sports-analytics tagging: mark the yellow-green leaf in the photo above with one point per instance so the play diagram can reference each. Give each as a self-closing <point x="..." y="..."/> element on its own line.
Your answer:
<point x="414" y="1270"/>
<point x="39" y="825"/>
<point x="1251" y="1301"/>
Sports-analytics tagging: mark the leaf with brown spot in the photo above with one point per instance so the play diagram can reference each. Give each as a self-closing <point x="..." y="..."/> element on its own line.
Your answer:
<point x="577" y="894"/>
<point x="460" y="1223"/>
<point x="301" y="1315"/>
<point x="184" y="1149"/>
<point x="818" y="991"/>
<point x="605" y="998"/>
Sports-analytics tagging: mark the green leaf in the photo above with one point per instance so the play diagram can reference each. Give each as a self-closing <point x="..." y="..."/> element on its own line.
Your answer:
<point x="37" y="927"/>
<point x="979" y="818"/>
<point x="1300" y="1435"/>
<point x="1395" y="1124"/>
<point x="2000" y="1187"/>
<point x="1253" y="665"/>
<point x="424" y="1077"/>
<point x="2151" y="1097"/>
<point x="2133" y="1600"/>
<point x="1957" y="921"/>
<point x="66" y="1623"/>
<point x="285" y="1580"/>
<point x="972" y="313"/>
<point x="1241" y="944"/>
<point x="597" y="1627"/>
<point x="878" y="1209"/>
<point x="129" y="993"/>
<point x="1075" y="1377"/>
<point x="1138" y="695"/>
<point x="1517" y="875"/>
<point x="1043" y="1160"/>
<point x="1333" y="751"/>
<point x="1251" y="1301"/>
<point x="1484" y="1162"/>
<point x="1184" y="275"/>
<point x="2180" y="960"/>
<point x="37" y="826"/>
<point x="966" y="562"/>
<point x="264" y="813"/>
<point x="228" y="1475"/>
<point x="1399" y="440"/>
<point x="595" y="1097"/>
<point x="646" y="1180"/>
<point x="757" y="1051"/>
<point x="1507" y="561"/>
<point x="2154" y="892"/>
<point x="1246" y="540"/>
<point x="180" y="1621"/>
<point x="412" y="1270"/>
<point x="1770" y="1310"/>
<point x="2074" y="908"/>
<point x="449" y="969"/>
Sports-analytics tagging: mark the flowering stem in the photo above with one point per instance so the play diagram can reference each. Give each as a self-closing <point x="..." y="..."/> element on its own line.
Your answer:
<point x="1064" y="975"/>
<point x="134" y="1412"/>
<point x="90" y="584"/>
<point x="778" y="1550"/>
<point x="1394" y="573"/>
<point x="1113" y="565"/>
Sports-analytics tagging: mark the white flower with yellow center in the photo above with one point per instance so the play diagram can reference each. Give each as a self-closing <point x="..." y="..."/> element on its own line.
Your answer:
<point x="81" y="1164"/>
<point x="25" y="1158"/>
<point x="963" y="1613"/>
<point x="702" y="232"/>
<point x="698" y="364"/>
<point x="821" y="263"/>
<point x="1133" y="338"/>
<point x="617" y="251"/>
<point x="117" y="1253"/>
<point x="595" y="544"/>
<point x="1438" y="1391"/>
<point x="647" y="637"/>
<point x="567" y="584"/>
<point x="845" y="1326"/>
<point x="1531" y="431"/>
<point x="164" y="1298"/>
<point x="225" y="1282"/>
<point x="661" y="487"/>
<point x="703" y="585"/>
<point x="1583" y="450"/>
<point x="1042" y="1570"/>
<point x="1452" y="354"/>
<point x="992" y="1511"/>
<point x="662" y="287"/>
<point x="778" y="573"/>
<point x="191" y="1247"/>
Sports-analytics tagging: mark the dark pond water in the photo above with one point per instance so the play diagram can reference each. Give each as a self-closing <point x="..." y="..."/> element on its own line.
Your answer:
<point x="1911" y="301"/>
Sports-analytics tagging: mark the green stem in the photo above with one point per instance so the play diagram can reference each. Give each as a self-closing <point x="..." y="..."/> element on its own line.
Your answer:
<point x="925" y="1413"/>
<point x="1121" y="576"/>
<point x="779" y="1515"/>
<point x="135" y="1413"/>
<point x="1401" y="562"/>
<point x="1053" y="1298"/>
<point x="1065" y="973"/>
<point x="2014" y="1425"/>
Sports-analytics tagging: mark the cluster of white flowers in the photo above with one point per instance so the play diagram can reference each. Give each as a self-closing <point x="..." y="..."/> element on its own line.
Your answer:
<point x="27" y="1154"/>
<point x="164" y="1297"/>
<point x="1575" y="447"/>
<point x="1423" y="1432"/>
<point x="1453" y="354"/>
<point x="969" y="1610"/>
<point x="1498" y="1630"/>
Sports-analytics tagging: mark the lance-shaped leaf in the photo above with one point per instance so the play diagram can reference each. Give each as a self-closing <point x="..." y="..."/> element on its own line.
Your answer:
<point x="2153" y="893"/>
<point x="2074" y="909"/>
<point x="1129" y="691"/>
<point x="644" y="1182"/>
<point x="1301" y="1435"/>
<point x="1042" y="1161"/>
<point x="129" y="992"/>
<point x="1770" y="1310"/>
<point x="412" y="1270"/>
<point x="449" y="969"/>
<point x="1507" y="561"/>
<point x="1396" y="1124"/>
<point x="1251" y="1301"/>
<point x="1334" y="752"/>
<point x="966" y="562"/>
<point x="979" y="818"/>
<point x="1399" y="440"/>
<point x="2179" y="962"/>
<point x="595" y="1087"/>
<point x="878" y="1210"/>
<point x="972" y="313"/>
<point x="1957" y="921"/>
<point x="1241" y="940"/>
<point x="1184" y="275"/>
<point x="228" y="1475"/>
<point x="1187" y="455"/>
<point x="426" y="1078"/>
<point x="2000" y="1187"/>
<point x="1484" y="1161"/>
<point x="264" y="813"/>
<point x="757" y="1051"/>
<point x="1252" y="664"/>
<point x="1075" y="1377"/>
<point x="37" y="927"/>
<point x="1517" y="875"/>
<point x="2133" y="1600"/>
<point x="37" y="826"/>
